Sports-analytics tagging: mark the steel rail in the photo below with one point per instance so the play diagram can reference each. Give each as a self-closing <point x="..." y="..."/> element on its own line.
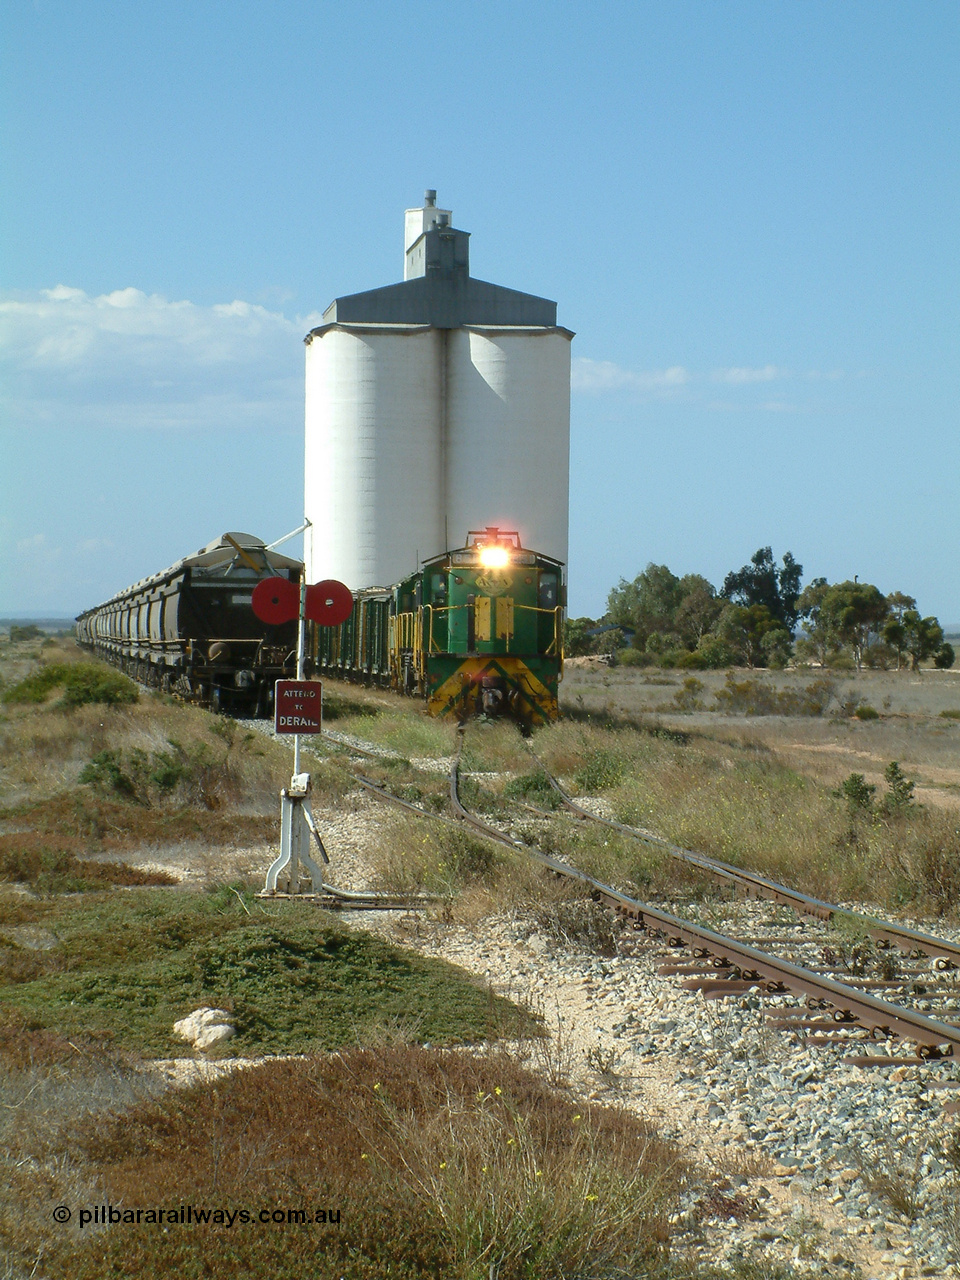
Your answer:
<point x="900" y="936"/>
<point x="333" y="899"/>
<point x="851" y="1008"/>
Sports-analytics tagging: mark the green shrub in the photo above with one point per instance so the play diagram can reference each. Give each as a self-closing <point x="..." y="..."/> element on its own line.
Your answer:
<point x="36" y="687"/>
<point x="29" y="632"/>
<point x="671" y="658"/>
<point x="694" y="661"/>
<point x="952" y="713"/>
<point x="86" y="682"/>
<point x="753" y="697"/>
<point x="866" y="712"/>
<point x="777" y="648"/>
<point x="945" y="657"/>
<point x="338" y="706"/>
<point x="532" y="786"/>
<point x="201" y="775"/>
<point x="856" y="791"/>
<point x="899" y="797"/>
<point x="630" y="657"/>
<point x="688" y="698"/>
<point x="600" y="770"/>
<point x="714" y="653"/>
<point x="879" y="657"/>
<point x="746" y="697"/>
<point x="105" y="773"/>
<point x="82" y="682"/>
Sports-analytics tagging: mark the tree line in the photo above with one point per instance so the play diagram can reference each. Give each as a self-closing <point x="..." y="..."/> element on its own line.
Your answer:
<point x="760" y="617"/>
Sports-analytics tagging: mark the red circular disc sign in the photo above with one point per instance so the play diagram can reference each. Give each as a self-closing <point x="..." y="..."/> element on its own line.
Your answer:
<point x="329" y="603"/>
<point x="276" y="600"/>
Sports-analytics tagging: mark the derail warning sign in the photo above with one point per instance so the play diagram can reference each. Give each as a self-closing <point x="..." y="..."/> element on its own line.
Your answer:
<point x="297" y="706"/>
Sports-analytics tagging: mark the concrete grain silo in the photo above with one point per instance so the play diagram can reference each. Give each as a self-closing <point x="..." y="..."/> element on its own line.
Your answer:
<point x="433" y="407"/>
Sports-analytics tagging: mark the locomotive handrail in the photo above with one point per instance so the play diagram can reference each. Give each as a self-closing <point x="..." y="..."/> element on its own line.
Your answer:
<point x="553" y="646"/>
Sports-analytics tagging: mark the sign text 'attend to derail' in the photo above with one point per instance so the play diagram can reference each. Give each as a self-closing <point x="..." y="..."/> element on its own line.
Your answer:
<point x="297" y="706"/>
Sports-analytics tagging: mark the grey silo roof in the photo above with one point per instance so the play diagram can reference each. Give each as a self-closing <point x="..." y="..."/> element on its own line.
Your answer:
<point x="443" y="293"/>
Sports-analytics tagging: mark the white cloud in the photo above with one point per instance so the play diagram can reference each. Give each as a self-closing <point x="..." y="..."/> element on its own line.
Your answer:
<point x="740" y="376"/>
<point x="37" y="542"/>
<point x="131" y="359"/>
<point x="603" y="375"/>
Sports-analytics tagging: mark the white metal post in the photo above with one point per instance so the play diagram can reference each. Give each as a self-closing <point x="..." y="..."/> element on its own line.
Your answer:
<point x="296" y="818"/>
<point x="301" y="645"/>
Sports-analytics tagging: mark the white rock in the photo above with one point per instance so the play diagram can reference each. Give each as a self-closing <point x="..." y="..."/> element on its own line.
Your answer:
<point x="202" y="1020"/>
<point x="214" y="1034"/>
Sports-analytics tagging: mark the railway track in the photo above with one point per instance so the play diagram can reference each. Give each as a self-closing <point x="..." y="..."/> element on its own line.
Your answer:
<point x="839" y="1008"/>
<point x="944" y="953"/>
<point x="835" y="1011"/>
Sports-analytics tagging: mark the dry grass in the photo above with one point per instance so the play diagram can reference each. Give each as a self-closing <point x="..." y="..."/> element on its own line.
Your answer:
<point x="387" y="719"/>
<point x="90" y="781"/>
<point x="414" y="855"/>
<point x="439" y="1164"/>
<point x="916" y="721"/>
<point x="736" y="800"/>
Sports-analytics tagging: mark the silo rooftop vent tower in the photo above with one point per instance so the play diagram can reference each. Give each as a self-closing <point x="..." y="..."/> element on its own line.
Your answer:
<point x="434" y="406"/>
<point x="430" y="243"/>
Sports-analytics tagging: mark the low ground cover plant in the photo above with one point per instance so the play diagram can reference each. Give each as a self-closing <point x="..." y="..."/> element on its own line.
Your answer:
<point x="81" y="683"/>
<point x="428" y="1162"/>
<point x="127" y="966"/>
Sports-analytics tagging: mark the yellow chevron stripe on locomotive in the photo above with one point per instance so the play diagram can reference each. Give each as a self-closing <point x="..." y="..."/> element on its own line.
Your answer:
<point x="496" y="686"/>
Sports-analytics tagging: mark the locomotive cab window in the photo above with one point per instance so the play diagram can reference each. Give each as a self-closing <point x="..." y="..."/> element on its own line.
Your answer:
<point x="548" y="590"/>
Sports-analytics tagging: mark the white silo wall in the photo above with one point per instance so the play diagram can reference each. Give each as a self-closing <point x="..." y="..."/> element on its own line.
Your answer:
<point x="373" y="457"/>
<point x="508" y="434"/>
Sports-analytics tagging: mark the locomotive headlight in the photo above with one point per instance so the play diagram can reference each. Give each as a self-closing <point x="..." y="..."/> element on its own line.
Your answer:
<point x="494" y="557"/>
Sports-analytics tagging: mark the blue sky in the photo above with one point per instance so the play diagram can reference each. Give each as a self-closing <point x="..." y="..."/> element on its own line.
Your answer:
<point x="747" y="212"/>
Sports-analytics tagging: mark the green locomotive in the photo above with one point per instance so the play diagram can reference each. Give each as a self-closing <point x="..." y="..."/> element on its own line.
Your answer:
<point x="476" y="631"/>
